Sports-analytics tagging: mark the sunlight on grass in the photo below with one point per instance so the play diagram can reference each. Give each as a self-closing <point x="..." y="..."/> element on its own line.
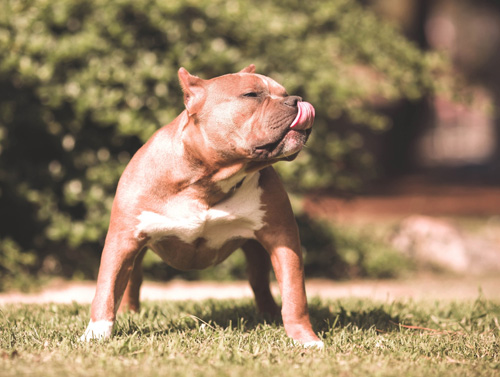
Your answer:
<point x="229" y="338"/>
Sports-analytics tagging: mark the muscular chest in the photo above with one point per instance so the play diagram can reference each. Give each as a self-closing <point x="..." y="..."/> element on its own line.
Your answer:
<point x="238" y="216"/>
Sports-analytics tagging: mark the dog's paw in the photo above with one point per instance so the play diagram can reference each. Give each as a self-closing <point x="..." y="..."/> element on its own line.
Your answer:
<point x="314" y="344"/>
<point x="97" y="330"/>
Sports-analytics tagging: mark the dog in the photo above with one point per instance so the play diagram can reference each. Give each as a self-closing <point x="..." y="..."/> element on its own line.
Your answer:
<point x="202" y="187"/>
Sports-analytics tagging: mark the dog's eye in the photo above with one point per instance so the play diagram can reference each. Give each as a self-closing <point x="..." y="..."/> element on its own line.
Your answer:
<point x="251" y="95"/>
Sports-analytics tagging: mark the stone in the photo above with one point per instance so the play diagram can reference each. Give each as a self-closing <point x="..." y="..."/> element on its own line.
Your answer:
<point x="431" y="241"/>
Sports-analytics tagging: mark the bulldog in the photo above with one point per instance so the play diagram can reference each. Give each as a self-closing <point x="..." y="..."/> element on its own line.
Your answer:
<point x="202" y="187"/>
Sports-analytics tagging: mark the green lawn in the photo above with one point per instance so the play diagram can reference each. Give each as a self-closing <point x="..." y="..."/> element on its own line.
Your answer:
<point x="228" y="338"/>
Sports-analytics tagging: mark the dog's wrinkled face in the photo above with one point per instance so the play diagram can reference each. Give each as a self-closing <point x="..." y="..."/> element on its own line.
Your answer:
<point x="246" y="115"/>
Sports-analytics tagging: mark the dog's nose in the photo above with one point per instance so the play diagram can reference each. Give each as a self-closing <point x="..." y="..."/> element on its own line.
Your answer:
<point x="292" y="101"/>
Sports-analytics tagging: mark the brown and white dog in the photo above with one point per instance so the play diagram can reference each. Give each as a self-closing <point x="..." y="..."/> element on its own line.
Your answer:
<point x="202" y="187"/>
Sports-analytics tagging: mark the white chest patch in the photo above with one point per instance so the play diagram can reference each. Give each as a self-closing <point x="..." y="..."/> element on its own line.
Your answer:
<point x="237" y="217"/>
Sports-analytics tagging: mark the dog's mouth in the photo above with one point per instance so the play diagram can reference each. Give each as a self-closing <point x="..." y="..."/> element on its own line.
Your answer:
<point x="305" y="116"/>
<point x="269" y="147"/>
<point x="288" y="143"/>
<point x="293" y="137"/>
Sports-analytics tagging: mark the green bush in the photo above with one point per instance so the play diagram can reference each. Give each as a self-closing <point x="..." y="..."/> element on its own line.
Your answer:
<point x="83" y="83"/>
<point x="15" y="264"/>
<point x="346" y="252"/>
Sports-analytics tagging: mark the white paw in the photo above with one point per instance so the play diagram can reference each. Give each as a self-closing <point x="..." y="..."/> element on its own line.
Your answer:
<point x="97" y="330"/>
<point x="314" y="344"/>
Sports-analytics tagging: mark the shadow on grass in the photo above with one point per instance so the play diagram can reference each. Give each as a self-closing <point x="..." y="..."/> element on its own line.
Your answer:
<point x="324" y="319"/>
<point x="243" y="315"/>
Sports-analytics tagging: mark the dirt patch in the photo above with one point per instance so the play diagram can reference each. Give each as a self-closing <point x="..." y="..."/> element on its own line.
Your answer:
<point x="413" y="195"/>
<point x="432" y="288"/>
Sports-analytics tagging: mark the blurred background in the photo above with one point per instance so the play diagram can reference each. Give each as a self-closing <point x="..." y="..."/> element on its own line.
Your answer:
<point x="400" y="177"/>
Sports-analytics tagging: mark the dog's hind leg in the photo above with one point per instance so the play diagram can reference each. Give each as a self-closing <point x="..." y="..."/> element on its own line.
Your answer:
<point x="258" y="268"/>
<point x="130" y="299"/>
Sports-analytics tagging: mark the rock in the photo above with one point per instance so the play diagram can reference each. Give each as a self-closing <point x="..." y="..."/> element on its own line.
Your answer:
<point x="436" y="242"/>
<point x="432" y="241"/>
<point x="484" y="255"/>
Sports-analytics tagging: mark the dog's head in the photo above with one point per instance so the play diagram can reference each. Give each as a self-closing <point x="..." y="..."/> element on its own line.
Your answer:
<point x="247" y="116"/>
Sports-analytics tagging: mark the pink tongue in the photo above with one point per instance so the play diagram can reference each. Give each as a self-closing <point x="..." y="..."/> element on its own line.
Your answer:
<point x="305" y="116"/>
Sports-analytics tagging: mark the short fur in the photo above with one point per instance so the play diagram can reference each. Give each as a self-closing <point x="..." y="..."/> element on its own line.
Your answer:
<point x="202" y="187"/>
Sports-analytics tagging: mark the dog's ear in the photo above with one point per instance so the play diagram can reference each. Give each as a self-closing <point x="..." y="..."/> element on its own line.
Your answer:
<point x="249" y="69"/>
<point x="194" y="91"/>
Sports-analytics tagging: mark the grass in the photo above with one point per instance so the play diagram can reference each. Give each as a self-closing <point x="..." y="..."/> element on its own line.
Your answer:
<point x="228" y="338"/>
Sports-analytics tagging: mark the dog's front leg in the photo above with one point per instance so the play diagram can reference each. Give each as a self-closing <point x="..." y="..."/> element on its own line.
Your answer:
<point x="288" y="268"/>
<point x="281" y="239"/>
<point x="117" y="263"/>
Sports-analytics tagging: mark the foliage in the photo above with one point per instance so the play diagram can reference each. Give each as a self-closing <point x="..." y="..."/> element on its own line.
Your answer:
<point x="342" y="252"/>
<point x="16" y="264"/>
<point x="83" y="83"/>
<point x="229" y="338"/>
